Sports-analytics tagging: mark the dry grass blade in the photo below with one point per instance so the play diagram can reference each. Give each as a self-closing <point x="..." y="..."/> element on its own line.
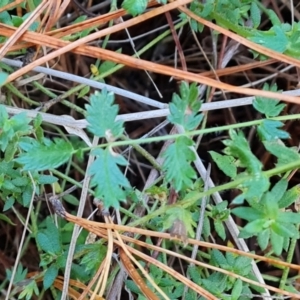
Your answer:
<point x="96" y="35"/>
<point x="135" y="63"/>
<point x="99" y="229"/>
<point x="53" y="12"/>
<point x="87" y="290"/>
<point x="116" y="166"/>
<point x="135" y="276"/>
<point x="94" y="22"/>
<point x="20" y="31"/>
<point x="89" y="225"/>
<point x="107" y="263"/>
<point x="10" y="5"/>
<point x="266" y="51"/>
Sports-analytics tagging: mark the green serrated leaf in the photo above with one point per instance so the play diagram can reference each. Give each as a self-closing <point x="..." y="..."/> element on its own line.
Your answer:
<point x="135" y="7"/>
<point x="184" y="108"/>
<point x="217" y="258"/>
<point x="263" y="239"/>
<point x="9" y="203"/>
<point x="49" y="276"/>
<point x="50" y="155"/>
<point x="255" y="14"/>
<point x="3" y="115"/>
<point x="49" y="240"/>
<point x="37" y="121"/>
<point x="255" y="226"/>
<point x="27" y="195"/>
<point x="269" y="130"/>
<point x="245" y="234"/>
<point x="20" y="123"/>
<point x="238" y="147"/>
<point x="108" y="178"/>
<point x="45" y="242"/>
<point x="8" y="185"/>
<point x="247" y="213"/>
<point x="216" y="287"/>
<point x="16" y="125"/>
<point x="108" y="65"/>
<point x="71" y="199"/>
<point x="177" y="110"/>
<point x="17" y="21"/>
<point x="206" y="227"/>
<point x="189" y="94"/>
<point x="284" y="154"/>
<point x="289" y="197"/>
<point x="20" y="181"/>
<point x="225" y="163"/>
<point x="195" y="273"/>
<point x="39" y="132"/>
<point x="84" y="91"/>
<point x="279" y="189"/>
<point x="177" y="163"/>
<point x="220" y="230"/>
<point x="28" y="291"/>
<point x="20" y="274"/>
<point x="178" y="213"/>
<point x="221" y="207"/>
<point x="101" y="115"/>
<point x="157" y="273"/>
<point x="237" y="289"/>
<point x="270" y="206"/>
<point x="288" y="217"/>
<point x="285" y="230"/>
<point x="3" y="78"/>
<point x="94" y="255"/>
<point x="276" y="243"/>
<point x="274" y="18"/>
<point x="242" y="265"/>
<point x="230" y="258"/>
<point x="46" y="179"/>
<point x="254" y="187"/>
<point x="132" y="287"/>
<point x="277" y="41"/>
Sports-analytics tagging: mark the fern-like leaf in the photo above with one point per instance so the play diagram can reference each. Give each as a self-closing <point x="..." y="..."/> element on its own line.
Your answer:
<point x="184" y="109"/>
<point x="40" y="157"/>
<point x="268" y="106"/>
<point x="101" y="115"/>
<point x="108" y="178"/>
<point x="135" y="7"/>
<point x="177" y="163"/>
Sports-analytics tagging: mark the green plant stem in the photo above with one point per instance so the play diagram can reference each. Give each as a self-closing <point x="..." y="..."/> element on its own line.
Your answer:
<point x="128" y="213"/>
<point x="67" y="171"/>
<point x="33" y="217"/>
<point x="44" y="89"/>
<point x="69" y="179"/>
<point x="289" y="258"/>
<point x="196" y="196"/>
<point x="265" y="10"/>
<point x="191" y="133"/>
<point x="77" y="168"/>
<point x="144" y="153"/>
<point x="16" y="92"/>
<point x="185" y="203"/>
